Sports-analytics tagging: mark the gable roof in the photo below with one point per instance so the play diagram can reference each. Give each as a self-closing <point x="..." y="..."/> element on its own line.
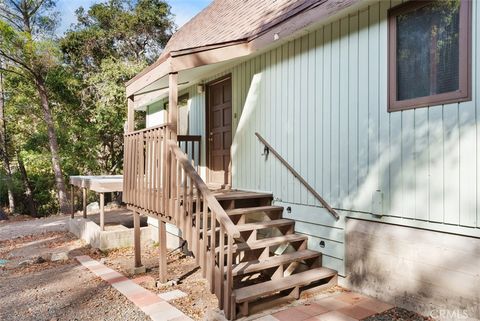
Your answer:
<point x="225" y="21"/>
<point x="231" y="29"/>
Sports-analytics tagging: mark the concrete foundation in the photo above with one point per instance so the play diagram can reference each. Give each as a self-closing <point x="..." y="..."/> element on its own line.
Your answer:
<point x="433" y="273"/>
<point x="118" y="232"/>
<point x="174" y="239"/>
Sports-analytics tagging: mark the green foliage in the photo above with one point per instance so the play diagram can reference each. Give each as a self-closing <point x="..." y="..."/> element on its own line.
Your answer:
<point x="85" y="73"/>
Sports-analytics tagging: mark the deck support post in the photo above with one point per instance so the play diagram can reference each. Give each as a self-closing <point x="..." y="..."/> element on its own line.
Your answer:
<point x="102" y="211"/>
<point x="72" y="200"/>
<point x="162" y="251"/>
<point x="138" y="268"/>
<point x="84" y="201"/>
<point x="130" y="115"/>
<point x="173" y="104"/>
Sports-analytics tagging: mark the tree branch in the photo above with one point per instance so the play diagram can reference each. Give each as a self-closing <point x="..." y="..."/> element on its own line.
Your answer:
<point x="17" y="61"/>
<point x="14" y="72"/>
<point x="9" y="19"/>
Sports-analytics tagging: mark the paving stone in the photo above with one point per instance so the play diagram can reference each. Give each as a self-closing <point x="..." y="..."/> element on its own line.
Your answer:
<point x="146" y="299"/>
<point x="291" y="314"/>
<point x="162" y="311"/>
<point x="312" y="309"/>
<point x="172" y="295"/>
<point x="113" y="277"/>
<point x="332" y="316"/>
<point x="357" y="312"/>
<point x="127" y="287"/>
<point x="375" y="305"/>
<point x="267" y="318"/>
<point x="332" y="304"/>
<point x="351" y="297"/>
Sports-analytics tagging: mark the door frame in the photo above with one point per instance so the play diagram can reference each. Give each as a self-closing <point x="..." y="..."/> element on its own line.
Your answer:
<point x="207" y="126"/>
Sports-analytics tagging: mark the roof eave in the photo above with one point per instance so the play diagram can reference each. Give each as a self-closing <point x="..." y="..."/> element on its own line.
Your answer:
<point x="186" y="59"/>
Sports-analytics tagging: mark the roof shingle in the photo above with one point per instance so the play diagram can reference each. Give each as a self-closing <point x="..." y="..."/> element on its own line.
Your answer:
<point x="231" y="20"/>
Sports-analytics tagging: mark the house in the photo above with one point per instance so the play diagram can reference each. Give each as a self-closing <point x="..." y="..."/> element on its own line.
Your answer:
<point x="270" y="118"/>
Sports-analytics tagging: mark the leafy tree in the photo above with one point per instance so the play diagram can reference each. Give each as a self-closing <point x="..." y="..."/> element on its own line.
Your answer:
<point x="110" y="44"/>
<point x="26" y="34"/>
<point x="73" y="87"/>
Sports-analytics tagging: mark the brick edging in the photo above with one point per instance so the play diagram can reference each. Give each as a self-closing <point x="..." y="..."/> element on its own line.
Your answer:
<point x="150" y="303"/>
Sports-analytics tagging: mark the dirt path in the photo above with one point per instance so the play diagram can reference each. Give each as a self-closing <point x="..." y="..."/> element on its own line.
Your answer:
<point x="10" y="230"/>
<point x="35" y="288"/>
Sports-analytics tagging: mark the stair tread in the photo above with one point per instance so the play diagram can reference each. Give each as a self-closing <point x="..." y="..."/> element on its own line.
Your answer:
<point x="258" y="265"/>
<point x="270" y="241"/>
<point x="270" y="287"/>
<point x="249" y="210"/>
<point x="238" y="195"/>
<point x="264" y="224"/>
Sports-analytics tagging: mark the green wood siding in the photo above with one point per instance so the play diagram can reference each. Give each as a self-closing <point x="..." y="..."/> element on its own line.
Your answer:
<point x="321" y="101"/>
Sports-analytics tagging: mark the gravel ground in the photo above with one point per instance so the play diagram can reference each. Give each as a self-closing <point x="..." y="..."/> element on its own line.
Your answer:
<point x="66" y="292"/>
<point x="398" y="314"/>
<point x="180" y="267"/>
<point x="44" y="290"/>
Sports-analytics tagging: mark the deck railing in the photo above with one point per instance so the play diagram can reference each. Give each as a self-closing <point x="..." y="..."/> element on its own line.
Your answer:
<point x="160" y="180"/>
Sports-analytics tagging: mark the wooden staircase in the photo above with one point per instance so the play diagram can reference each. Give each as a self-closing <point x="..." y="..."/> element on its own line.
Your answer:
<point x="249" y="254"/>
<point x="271" y="263"/>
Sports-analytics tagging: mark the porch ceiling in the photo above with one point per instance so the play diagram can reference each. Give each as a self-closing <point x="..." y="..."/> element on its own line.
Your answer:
<point x="158" y="89"/>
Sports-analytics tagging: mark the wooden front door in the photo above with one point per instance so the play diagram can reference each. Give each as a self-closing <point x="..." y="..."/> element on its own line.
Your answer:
<point x="219" y="130"/>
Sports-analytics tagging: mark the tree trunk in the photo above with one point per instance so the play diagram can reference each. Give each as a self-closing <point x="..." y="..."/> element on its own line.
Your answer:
<point x="3" y="148"/>
<point x="26" y="185"/>
<point x="54" y="150"/>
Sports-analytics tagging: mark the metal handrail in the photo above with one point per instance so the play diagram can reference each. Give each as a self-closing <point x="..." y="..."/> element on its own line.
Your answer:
<point x="299" y="177"/>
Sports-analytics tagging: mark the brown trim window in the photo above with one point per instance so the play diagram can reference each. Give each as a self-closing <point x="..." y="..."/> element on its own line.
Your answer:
<point x="429" y="53"/>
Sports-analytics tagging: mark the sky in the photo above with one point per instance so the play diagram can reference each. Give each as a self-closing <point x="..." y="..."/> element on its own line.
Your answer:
<point x="182" y="9"/>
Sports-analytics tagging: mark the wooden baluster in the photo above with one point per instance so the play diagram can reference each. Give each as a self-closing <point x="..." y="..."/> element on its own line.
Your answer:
<point x="142" y="171"/>
<point x="137" y="168"/>
<point x="213" y="226"/>
<point x="162" y="168"/>
<point x="167" y="172"/>
<point x="178" y="194"/>
<point x="228" y="303"/>
<point x="150" y="171"/>
<point x="130" y="169"/>
<point x="204" y="239"/>
<point x="221" y="266"/>
<point x="197" y="229"/>
<point x="146" y="182"/>
<point x="184" y="207"/>
<point x="135" y="164"/>
<point x="190" y="213"/>
<point x="126" y="174"/>
<point x="199" y="155"/>
<point x="155" y="171"/>
<point x="160" y="174"/>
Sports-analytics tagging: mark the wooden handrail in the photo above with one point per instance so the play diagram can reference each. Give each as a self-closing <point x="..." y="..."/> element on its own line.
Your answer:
<point x="148" y="129"/>
<point x="299" y="177"/>
<point x="160" y="180"/>
<point x="213" y="203"/>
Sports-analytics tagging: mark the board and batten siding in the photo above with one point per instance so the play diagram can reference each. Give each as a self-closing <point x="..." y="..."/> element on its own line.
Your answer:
<point x="321" y="101"/>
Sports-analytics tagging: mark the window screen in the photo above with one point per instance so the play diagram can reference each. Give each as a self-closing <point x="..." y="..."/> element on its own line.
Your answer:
<point x="429" y="53"/>
<point x="428" y="50"/>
